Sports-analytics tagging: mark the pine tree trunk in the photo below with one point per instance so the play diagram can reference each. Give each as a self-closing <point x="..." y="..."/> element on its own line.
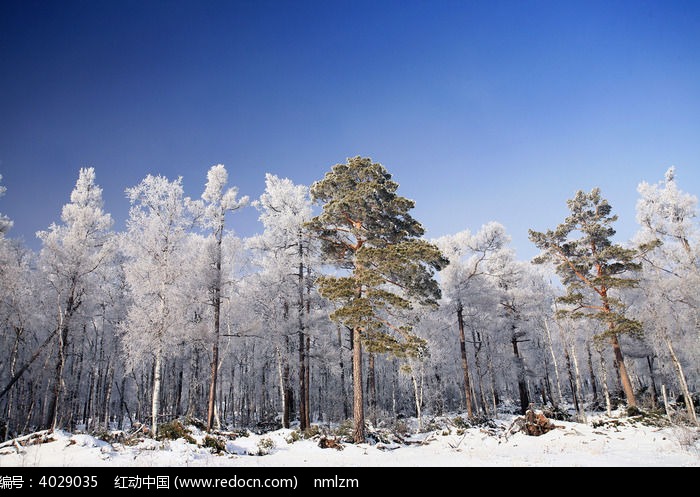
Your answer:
<point x="357" y="399"/>
<point x="622" y="370"/>
<point x="465" y="364"/>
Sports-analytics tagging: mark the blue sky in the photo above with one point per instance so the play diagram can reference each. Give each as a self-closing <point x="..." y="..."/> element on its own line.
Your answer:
<point x="482" y="111"/>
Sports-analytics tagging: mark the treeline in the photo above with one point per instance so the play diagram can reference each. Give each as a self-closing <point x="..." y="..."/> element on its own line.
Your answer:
<point x="340" y="315"/>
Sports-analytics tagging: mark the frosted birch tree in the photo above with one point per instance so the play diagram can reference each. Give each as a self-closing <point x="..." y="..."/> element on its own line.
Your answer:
<point x="285" y="248"/>
<point x="463" y="279"/>
<point x="71" y="254"/>
<point x="5" y="222"/>
<point x="218" y="200"/>
<point x="156" y="268"/>
<point x="670" y="307"/>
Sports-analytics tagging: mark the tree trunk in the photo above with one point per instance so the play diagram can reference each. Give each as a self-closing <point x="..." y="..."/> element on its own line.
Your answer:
<point x="58" y="379"/>
<point x="667" y="407"/>
<point x="604" y="373"/>
<point x="304" y="417"/>
<point x="217" y="326"/>
<point x="26" y="365"/>
<point x="418" y="396"/>
<point x="465" y="364"/>
<point x="579" y="388"/>
<point x="303" y="414"/>
<point x="481" y="398"/>
<point x="155" y="400"/>
<point x="344" y="392"/>
<point x="522" y="385"/>
<point x="554" y="361"/>
<point x="622" y="370"/>
<point x="652" y="377"/>
<point x="307" y="390"/>
<point x="572" y="380"/>
<point x="590" y="371"/>
<point x="357" y="399"/>
<point x="372" y="389"/>
<point x="689" y="405"/>
<point x="285" y="388"/>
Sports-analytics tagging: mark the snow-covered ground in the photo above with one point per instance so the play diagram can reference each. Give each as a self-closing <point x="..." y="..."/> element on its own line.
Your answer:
<point x="617" y="443"/>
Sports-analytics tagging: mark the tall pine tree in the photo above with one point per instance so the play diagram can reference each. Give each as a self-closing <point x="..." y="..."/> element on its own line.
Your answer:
<point x="593" y="268"/>
<point x="384" y="266"/>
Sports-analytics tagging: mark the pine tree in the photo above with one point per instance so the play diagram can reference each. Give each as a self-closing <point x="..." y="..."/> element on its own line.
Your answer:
<point x="593" y="268"/>
<point x="366" y="230"/>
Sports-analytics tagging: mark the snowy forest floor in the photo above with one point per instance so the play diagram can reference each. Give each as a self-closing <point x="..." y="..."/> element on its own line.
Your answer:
<point x="444" y="441"/>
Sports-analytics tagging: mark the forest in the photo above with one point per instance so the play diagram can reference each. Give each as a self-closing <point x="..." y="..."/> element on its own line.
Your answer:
<point x="340" y="309"/>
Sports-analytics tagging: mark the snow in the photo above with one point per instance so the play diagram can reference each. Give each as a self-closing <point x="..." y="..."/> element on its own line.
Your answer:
<point x="618" y="443"/>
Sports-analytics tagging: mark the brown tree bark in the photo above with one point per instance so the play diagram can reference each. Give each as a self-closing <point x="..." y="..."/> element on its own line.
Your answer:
<point x="622" y="369"/>
<point x="357" y="401"/>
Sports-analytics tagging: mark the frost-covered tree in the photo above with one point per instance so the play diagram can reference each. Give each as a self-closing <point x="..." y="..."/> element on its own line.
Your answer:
<point x="218" y="200"/>
<point x="155" y="244"/>
<point x="670" y="307"/>
<point x="71" y="254"/>
<point x="384" y="266"/>
<point x="284" y="250"/>
<point x="463" y="280"/>
<point x="23" y="317"/>
<point x="594" y="270"/>
<point x="522" y="300"/>
<point x="5" y="222"/>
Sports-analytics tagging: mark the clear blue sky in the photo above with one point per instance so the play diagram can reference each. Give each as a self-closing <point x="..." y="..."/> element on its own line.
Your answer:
<point x="481" y="110"/>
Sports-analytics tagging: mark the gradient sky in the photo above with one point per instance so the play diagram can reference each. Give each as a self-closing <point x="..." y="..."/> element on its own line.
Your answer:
<point x="482" y="111"/>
